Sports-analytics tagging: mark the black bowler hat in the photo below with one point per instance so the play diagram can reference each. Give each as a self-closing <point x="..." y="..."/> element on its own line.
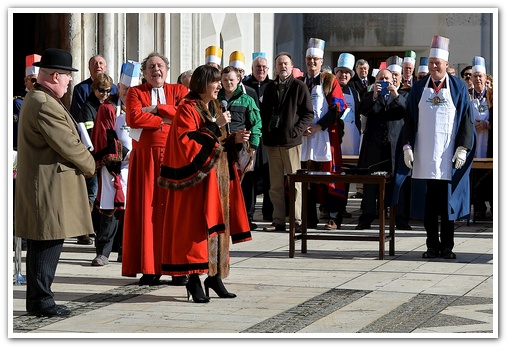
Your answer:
<point x="463" y="71"/>
<point x="54" y="58"/>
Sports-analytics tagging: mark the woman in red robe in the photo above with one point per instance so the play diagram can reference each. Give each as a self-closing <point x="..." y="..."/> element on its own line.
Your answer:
<point x="151" y="107"/>
<point x="205" y="209"/>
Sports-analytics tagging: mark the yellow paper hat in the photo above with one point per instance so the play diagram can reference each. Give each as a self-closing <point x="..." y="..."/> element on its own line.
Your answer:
<point x="213" y="55"/>
<point x="237" y="60"/>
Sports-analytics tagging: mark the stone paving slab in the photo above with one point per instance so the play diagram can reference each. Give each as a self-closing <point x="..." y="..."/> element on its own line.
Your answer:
<point x="336" y="289"/>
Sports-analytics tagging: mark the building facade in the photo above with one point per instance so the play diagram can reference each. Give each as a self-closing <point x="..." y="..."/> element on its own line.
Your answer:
<point x="184" y="36"/>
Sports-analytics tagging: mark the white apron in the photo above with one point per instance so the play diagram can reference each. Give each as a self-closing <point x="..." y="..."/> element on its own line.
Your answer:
<point x="434" y="143"/>
<point x="108" y="191"/>
<point x="317" y="147"/>
<point x="352" y="138"/>
<point x="481" y="112"/>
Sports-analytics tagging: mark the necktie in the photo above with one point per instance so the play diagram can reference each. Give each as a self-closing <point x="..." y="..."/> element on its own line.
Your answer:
<point x="310" y="83"/>
<point x="437" y="83"/>
<point x="365" y="83"/>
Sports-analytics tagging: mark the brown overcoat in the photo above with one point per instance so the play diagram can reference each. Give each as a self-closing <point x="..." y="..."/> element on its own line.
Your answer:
<point x="51" y="195"/>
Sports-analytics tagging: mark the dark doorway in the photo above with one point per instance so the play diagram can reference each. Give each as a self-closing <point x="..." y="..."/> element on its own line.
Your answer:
<point x="374" y="58"/>
<point x="25" y="35"/>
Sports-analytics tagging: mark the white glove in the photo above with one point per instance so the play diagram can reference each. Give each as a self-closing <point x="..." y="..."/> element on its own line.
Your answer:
<point x="408" y="157"/>
<point x="460" y="156"/>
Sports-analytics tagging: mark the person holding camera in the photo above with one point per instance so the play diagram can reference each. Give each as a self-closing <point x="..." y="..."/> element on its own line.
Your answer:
<point x="380" y="106"/>
<point x="286" y="113"/>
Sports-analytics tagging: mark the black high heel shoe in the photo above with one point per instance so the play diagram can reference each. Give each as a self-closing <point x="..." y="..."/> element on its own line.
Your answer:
<point x="194" y="288"/>
<point x="215" y="283"/>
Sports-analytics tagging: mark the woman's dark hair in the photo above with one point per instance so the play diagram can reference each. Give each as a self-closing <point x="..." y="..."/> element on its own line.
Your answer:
<point x="203" y="75"/>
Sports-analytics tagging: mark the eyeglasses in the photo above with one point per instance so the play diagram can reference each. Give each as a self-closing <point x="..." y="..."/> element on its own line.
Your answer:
<point x="68" y="73"/>
<point x="468" y="75"/>
<point x="104" y="91"/>
<point x="33" y="80"/>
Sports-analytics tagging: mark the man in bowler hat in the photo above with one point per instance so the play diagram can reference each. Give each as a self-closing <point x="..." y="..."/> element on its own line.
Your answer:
<point x="51" y="196"/>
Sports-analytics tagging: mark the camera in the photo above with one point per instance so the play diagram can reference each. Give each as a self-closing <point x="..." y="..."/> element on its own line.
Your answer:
<point x="275" y="121"/>
<point x="384" y="90"/>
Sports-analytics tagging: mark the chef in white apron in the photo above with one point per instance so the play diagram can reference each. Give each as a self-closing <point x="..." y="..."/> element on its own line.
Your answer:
<point x="316" y="147"/>
<point x="433" y="159"/>
<point x="438" y="117"/>
<point x="352" y="138"/>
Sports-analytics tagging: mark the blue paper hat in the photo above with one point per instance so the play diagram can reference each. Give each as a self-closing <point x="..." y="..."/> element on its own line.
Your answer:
<point x="345" y="61"/>
<point x="130" y="72"/>
<point x="423" y="65"/>
<point x="478" y="64"/>
<point x="258" y="54"/>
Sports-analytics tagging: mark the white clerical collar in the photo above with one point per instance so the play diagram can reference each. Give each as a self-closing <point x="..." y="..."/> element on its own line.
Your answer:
<point x="157" y="99"/>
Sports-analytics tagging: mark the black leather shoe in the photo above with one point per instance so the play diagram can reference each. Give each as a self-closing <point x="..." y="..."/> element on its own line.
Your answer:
<point x="253" y="226"/>
<point x="84" y="240"/>
<point x="179" y="280"/>
<point x="431" y="253"/>
<point x="53" y="311"/>
<point x="362" y="226"/>
<point x="403" y="227"/>
<point x="448" y="254"/>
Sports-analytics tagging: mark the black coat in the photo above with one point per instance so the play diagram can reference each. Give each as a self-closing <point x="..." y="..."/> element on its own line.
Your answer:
<point x="295" y="109"/>
<point x="383" y="127"/>
<point x="356" y="83"/>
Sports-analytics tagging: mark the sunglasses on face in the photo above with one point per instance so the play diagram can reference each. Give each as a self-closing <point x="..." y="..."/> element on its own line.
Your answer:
<point x="104" y="91"/>
<point x="468" y="75"/>
<point x="33" y="80"/>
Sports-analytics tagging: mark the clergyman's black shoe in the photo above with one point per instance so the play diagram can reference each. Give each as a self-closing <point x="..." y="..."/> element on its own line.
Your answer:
<point x="53" y="311"/>
<point x="448" y="254"/>
<point x="403" y="227"/>
<point x="431" y="253"/>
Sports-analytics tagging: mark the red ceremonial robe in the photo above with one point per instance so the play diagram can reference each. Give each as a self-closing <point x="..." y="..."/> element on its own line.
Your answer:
<point x="205" y="207"/>
<point x="144" y="217"/>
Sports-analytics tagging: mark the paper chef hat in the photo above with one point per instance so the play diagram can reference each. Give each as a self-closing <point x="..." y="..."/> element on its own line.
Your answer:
<point x="423" y="65"/>
<point x="316" y="47"/>
<point x="29" y="68"/>
<point x="258" y="54"/>
<point x="213" y="55"/>
<point x="410" y="57"/>
<point x="346" y="61"/>
<point x="394" y="64"/>
<point x="439" y="48"/>
<point x="478" y="64"/>
<point x="237" y="60"/>
<point x="130" y="72"/>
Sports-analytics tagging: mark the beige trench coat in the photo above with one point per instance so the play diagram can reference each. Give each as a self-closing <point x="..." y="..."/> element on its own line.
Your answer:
<point x="51" y="195"/>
